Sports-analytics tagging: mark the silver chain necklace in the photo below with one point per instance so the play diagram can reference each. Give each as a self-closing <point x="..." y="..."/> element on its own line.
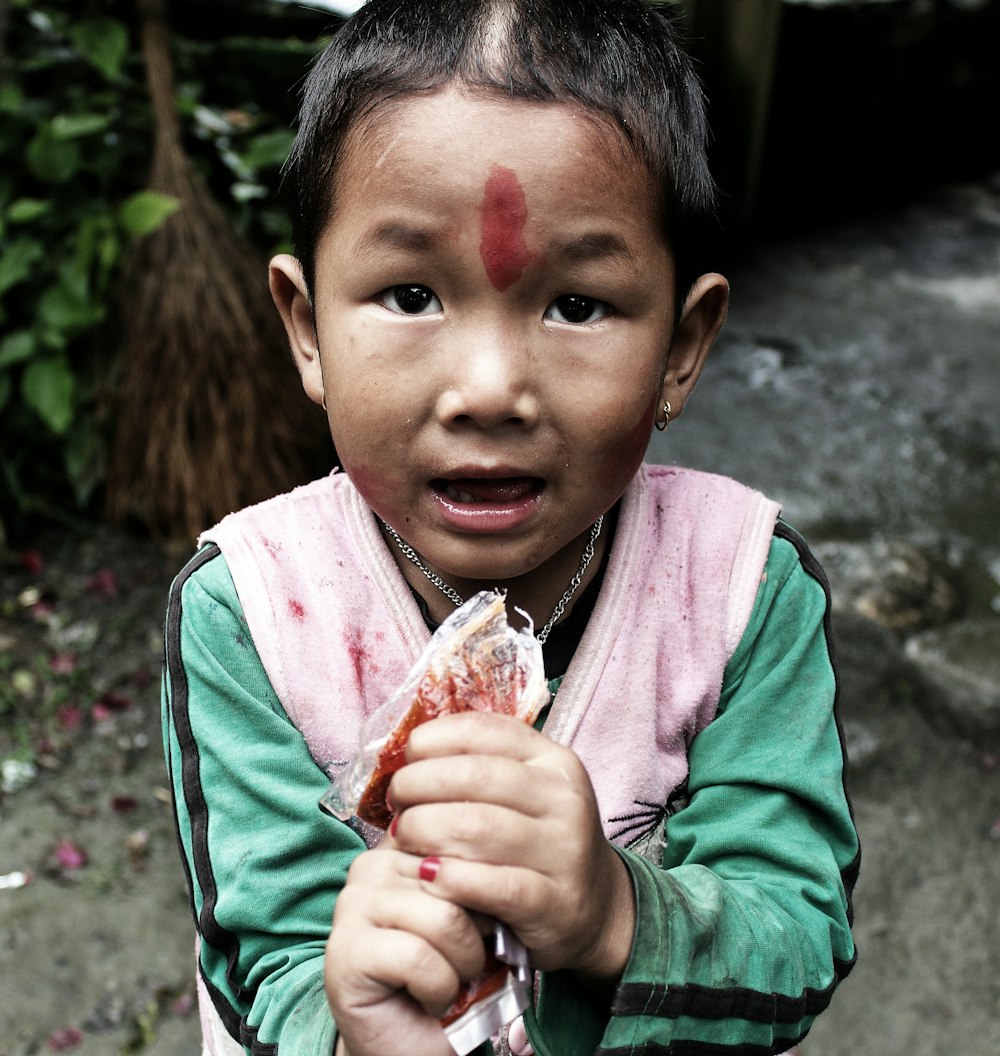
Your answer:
<point x="456" y="599"/>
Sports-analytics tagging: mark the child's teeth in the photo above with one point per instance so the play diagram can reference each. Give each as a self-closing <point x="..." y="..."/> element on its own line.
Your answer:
<point x="459" y="496"/>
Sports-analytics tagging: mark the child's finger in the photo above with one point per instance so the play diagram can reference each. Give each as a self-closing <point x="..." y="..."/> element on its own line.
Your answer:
<point x="399" y="960"/>
<point x="485" y="832"/>
<point x="470" y="778"/>
<point x="478" y="733"/>
<point x="399" y="903"/>
<point x="587" y="929"/>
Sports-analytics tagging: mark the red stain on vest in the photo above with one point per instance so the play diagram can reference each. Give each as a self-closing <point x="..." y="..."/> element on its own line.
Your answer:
<point x="504" y="213"/>
<point x="296" y="609"/>
<point x="360" y="656"/>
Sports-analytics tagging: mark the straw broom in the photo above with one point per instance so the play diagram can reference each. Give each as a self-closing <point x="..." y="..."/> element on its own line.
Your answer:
<point x="212" y="416"/>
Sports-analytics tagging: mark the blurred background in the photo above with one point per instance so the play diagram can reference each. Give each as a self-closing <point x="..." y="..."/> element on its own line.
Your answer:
<point x="145" y="390"/>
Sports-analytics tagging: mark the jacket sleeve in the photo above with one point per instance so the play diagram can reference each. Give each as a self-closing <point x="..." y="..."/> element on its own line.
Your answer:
<point x="743" y="930"/>
<point x="263" y="863"/>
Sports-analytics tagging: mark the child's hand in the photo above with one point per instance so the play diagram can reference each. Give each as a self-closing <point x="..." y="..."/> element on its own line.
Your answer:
<point x="395" y="958"/>
<point x="513" y="818"/>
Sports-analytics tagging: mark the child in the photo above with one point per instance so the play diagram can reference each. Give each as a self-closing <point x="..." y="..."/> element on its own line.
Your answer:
<point x="500" y="213"/>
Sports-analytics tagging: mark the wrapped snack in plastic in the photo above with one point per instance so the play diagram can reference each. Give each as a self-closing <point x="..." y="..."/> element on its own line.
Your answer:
<point x="475" y="661"/>
<point x="496" y="997"/>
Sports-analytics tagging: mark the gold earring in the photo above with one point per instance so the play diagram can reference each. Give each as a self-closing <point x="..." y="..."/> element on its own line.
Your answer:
<point x="666" y="417"/>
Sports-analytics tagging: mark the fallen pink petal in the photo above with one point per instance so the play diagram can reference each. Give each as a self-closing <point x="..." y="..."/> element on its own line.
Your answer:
<point x="62" y="663"/>
<point x="70" y="856"/>
<point x="69" y="717"/>
<point x="115" y="701"/>
<point x="42" y="611"/>
<point x="103" y="584"/>
<point x="65" y="1038"/>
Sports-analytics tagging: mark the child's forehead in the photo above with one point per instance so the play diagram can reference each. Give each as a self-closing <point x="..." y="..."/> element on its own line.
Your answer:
<point x="422" y="148"/>
<point x="473" y="116"/>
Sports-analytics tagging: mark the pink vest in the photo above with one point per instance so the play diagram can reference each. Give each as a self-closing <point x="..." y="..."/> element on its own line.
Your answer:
<point x="337" y="628"/>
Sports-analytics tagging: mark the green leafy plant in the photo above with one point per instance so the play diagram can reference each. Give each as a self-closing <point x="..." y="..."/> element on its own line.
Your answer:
<point x="70" y="107"/>
<point x="75" y="135"/>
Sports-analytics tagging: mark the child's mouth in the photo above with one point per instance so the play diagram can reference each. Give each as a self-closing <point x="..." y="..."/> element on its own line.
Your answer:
<point x="484" y="490"/>
<point x="487" y="504"/>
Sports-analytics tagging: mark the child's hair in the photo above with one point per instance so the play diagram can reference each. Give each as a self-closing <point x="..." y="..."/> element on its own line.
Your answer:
<point x="621" y="59"/>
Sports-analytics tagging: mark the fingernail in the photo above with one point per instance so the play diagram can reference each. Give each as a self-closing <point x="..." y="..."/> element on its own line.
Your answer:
<point x="429" y="869"/>
<point x="393" y="825"/>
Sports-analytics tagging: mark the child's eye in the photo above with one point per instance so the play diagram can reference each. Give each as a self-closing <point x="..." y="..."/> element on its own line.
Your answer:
<point x="575" y="308"/>
<point x="410" y="300"/>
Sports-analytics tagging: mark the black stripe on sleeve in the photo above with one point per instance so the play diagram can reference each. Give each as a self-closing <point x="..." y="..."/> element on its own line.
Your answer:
<point x="700" y="1048"/>
<point x="704" y="1002"/>
<point x="849" y="875"/>
<point x="211" y="931"/>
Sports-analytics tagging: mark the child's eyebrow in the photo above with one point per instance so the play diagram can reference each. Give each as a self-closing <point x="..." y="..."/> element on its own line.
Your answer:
<point x="395" y="234"/>
<point x="597" y="245"/>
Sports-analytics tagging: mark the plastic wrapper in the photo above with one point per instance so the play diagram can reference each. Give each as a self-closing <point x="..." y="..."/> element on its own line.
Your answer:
<point x="475" y="661"/>
<point x="496" y="997"/>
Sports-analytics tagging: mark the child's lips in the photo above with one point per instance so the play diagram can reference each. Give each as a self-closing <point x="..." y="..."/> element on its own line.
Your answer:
<point x="487" y="505"/>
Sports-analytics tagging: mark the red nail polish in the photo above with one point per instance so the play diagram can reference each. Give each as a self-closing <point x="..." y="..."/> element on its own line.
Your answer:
<point x="429" y="869"/>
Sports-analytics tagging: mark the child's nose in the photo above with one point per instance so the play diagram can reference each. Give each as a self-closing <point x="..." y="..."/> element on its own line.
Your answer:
<point x="491" y="382"/>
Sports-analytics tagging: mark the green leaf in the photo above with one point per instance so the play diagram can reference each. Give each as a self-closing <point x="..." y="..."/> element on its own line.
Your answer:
<point x="71" y="126"/>
<point x="17" y="261"/>
<point x="269" y="149"/>
<point x="64" y="308"/>
<point x="85" y="460"/>
<point x="143" y="212"/>
<point x="11" y="98"/>
<point x="50" y="159"/>
<point x="103" y="42"/>
<point x="48" y="387"/>
<point x="16" y="347"/>
<point x="24" y="210"/>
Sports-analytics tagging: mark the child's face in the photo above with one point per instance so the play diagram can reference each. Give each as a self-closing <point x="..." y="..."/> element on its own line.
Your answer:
<point x="494" y="318"/>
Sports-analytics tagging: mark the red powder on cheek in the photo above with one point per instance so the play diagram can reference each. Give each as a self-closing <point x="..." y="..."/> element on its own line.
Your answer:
<point x="372" y="485"/>
<point x="631" y="449"/>
<point x="504" y="213"/>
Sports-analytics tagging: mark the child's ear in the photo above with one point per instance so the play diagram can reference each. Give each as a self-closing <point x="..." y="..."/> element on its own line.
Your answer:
<point x="288" y="288"/>
<point x="701" y="319"/>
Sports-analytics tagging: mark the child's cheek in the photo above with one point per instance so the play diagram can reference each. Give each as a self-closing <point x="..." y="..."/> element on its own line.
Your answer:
<point x="627" y="453"/>
<point x="375" y="488"/>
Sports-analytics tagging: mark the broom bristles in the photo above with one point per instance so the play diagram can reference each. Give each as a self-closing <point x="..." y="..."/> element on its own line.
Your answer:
<point x="212" y="414"/>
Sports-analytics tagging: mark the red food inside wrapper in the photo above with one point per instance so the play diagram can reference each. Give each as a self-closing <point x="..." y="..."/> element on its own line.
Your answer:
<point x="474" y="662"/>
<point x="489" y="980"/>
<point x="435" y="696"/>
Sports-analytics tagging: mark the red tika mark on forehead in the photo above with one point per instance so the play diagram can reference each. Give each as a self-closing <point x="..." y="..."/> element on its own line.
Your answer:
<point x="504" y="213"/>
